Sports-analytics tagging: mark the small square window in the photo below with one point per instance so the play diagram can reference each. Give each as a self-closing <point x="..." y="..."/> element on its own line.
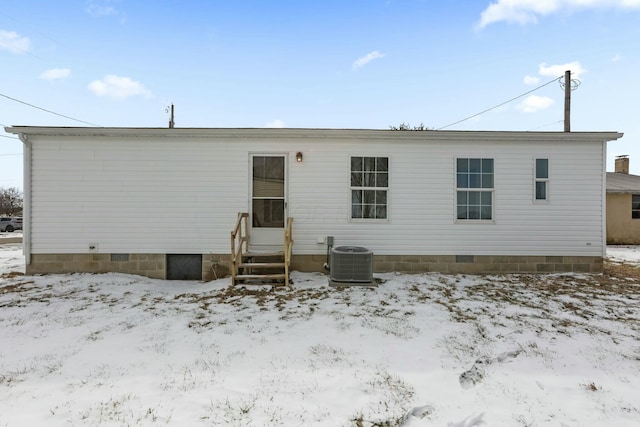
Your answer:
<point x="541" y="190"/>
<point x="542" y="168"/>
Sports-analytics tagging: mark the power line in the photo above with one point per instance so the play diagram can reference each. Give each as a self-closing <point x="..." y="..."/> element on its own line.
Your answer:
<point x="13" y="18"/>
<point x="27" y="51"/>
<point x="49" y="111"/>
<point x="548" y="124"/>
<point x="500" y="105"/>
<point x="12" y="154"/>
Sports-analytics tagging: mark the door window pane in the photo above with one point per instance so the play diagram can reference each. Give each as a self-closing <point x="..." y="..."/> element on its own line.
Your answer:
<point x="268" y="213"/>
<point x="268" y="177"/>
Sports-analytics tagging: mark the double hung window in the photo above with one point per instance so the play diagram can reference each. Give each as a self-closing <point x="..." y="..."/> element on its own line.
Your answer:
<point x="474" y="189"/>
<point x="369" y="187"/>
<point x="542" y="180"/>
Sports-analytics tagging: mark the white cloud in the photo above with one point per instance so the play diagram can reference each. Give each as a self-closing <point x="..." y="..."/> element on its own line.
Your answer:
<point x="617" y="57"/>
<point x="533" y="103"/>
<point x="361" y="62"/>
<point x="102" y="8"/>
<point x="99" y="8"/>
<point x="555" y="71"/>
<point x="14" y="42"/>
<point x="558" y="70"/>
<point x="527" y="11"/>
<point x="277" y="123"/>
<point x="113" y="86"/>
<point x="55" y="73"/>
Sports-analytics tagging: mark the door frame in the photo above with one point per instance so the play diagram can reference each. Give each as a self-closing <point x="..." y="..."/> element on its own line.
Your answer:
<point x="267" y="238"/>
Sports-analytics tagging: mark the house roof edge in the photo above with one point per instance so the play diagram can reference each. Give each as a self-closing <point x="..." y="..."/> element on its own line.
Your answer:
<point x="309" y="133"/>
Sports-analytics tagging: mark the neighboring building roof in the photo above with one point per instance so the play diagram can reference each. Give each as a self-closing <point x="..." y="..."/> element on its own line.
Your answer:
<point x="622" y="183"/>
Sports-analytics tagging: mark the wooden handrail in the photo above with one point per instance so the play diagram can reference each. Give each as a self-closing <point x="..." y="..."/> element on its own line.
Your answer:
<point x="288" y="248"/>
<point x="238" y="228"/>
<point x="239" y="235"/>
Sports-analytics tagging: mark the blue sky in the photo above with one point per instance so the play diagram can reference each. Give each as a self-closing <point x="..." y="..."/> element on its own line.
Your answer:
<point x="324" y="64"/>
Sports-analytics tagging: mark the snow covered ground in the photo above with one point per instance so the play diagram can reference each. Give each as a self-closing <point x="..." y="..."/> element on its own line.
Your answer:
<point x="418" y="350"/>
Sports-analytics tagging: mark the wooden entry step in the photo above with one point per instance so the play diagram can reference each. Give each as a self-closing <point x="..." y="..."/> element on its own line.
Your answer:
<point x="261" y="265"/>
<point x="278" y="276"/>
<point x="269" y="267"/>
<point x="263" y="268"/>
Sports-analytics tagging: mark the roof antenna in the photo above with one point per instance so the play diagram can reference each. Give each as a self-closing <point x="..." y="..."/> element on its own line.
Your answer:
<point x="172" y="123"/>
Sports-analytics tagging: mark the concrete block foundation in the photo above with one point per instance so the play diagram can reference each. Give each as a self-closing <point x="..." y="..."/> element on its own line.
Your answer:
<point x="215" y="266"/>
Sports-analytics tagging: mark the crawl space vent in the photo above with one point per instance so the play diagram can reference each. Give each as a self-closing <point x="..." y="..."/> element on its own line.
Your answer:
<point x="184" y="267"/>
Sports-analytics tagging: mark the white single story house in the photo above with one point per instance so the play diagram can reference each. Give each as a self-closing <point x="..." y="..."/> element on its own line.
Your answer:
<point x="156" y="201"/>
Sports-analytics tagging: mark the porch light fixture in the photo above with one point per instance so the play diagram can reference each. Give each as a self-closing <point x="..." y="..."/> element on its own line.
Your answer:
<point x="299" y="156"/>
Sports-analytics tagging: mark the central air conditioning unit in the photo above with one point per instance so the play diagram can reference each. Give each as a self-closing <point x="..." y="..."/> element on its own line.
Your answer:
<point x="351" y="265"/>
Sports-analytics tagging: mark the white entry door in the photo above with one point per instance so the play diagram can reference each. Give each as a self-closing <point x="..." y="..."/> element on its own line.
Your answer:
<point x="268" y="202"/>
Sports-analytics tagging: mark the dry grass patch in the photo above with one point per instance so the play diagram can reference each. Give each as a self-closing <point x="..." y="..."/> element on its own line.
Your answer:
<point x="11" y="275"/>
<point x="14" y="287"/>
<point x="621" y="271"/>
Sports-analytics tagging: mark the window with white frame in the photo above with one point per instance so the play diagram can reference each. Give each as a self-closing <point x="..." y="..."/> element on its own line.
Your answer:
<point x="369" y="187"/>
<point x="474" y="189"/>
<point x="542" y="180"/>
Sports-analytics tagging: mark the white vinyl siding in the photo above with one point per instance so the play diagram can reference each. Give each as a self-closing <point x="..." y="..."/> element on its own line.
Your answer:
<point x="181" y="194"/>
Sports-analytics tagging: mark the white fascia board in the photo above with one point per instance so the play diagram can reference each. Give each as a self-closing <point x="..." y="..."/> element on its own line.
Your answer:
<point x="302" y="134"/>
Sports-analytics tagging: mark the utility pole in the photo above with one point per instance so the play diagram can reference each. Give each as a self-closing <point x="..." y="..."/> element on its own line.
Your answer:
<point x="567" y="101"/>
<point x="171" y="122"/>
